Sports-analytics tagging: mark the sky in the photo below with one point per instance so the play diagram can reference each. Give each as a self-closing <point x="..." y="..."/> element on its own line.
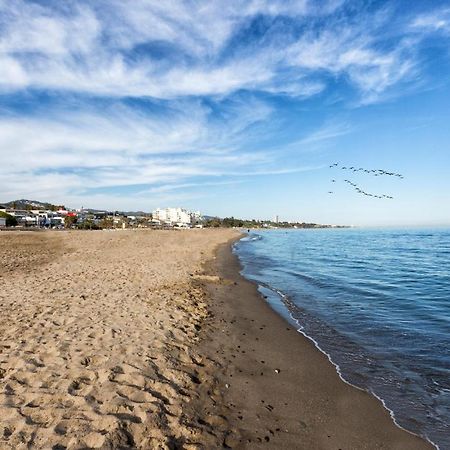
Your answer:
<point x="234" y="108"/>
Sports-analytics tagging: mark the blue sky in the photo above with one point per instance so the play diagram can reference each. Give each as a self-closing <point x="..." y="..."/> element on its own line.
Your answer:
<point x="228" y="107"/>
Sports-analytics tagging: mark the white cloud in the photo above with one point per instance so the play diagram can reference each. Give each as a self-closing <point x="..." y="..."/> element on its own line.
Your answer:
<point x="74" y="154"/>
<point x="85" y="47"/>
<point x="117" y="146"/>
<point x="13" y="76"/>
<point x="179" y="53"/>
<point x="30" y="28"/>
<point x="438" y="20"/>
<point x="326" y="132"/>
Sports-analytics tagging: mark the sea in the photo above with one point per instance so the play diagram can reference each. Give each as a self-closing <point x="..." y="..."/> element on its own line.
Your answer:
<point x="376" y="301"/>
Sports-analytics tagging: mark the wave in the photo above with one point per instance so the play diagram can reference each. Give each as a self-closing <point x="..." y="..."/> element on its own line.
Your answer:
<point x="290" y="315"/>
<point x="375" y="304"/>
<point x="251" y="238"/>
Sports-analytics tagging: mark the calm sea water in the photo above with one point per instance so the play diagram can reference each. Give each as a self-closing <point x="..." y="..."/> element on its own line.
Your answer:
<point x="377" y="302"/>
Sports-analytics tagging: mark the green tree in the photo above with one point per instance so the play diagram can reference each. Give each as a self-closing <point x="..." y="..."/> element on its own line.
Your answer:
<point x="107" y="222"/>
<point x="69" y="221"/>
<point x="88" y="225"/>
<point x="11" y="221"/>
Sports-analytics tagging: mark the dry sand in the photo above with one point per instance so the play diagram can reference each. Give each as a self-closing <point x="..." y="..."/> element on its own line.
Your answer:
<point x="127" y="340"/>
<point x="96" y="338"/>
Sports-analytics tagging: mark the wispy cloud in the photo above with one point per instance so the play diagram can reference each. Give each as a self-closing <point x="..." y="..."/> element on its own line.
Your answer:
<point x="186" y="186"/>
<point x="180" y="48"/>
<point x="78" y="151"/>
<point x="124" y="93"/>
<point x="326" y="132"/>
<point x="437" y="20"/>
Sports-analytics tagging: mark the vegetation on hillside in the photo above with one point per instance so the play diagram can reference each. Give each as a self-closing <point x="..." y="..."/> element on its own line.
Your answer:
<point x="230" y="222"/>
<point x="29" y="205"/>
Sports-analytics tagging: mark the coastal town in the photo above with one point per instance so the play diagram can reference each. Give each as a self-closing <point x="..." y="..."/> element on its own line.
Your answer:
<point x="29" y="214"/>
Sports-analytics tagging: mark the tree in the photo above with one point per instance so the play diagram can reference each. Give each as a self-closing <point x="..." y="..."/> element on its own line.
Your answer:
<point x="11" y="221"/>
<point x="213" y="223"/>
<point x="69" y="221"/>
<point x="88" y="225"/>
<point x="107" y="222"/>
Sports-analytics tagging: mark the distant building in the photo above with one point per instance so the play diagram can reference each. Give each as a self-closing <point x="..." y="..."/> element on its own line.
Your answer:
<point x="176" y="217"/>
<point x="36" y="218"/>
<point x="2" y="222"/>
<point x="24" y="217"/>
<point x="276" y="219"/>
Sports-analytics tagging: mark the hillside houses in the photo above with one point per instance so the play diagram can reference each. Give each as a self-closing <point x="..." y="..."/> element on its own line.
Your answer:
<point x="36" y="218"/>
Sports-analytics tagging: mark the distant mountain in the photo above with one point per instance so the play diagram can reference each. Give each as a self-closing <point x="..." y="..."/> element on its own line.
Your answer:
<point x="210" y="217"/>
<point x="134" y="213"/>
<point x="35" y="204"/>
<point x="30" y="204"/>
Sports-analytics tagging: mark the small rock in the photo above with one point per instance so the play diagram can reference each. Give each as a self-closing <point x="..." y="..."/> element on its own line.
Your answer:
<point x="231" y="440"/>
<point x="94" y="440"/>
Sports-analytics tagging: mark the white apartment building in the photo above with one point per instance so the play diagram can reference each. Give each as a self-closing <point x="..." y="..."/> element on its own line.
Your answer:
<point x="173" y="216"/>
<point x="176" y="216"/>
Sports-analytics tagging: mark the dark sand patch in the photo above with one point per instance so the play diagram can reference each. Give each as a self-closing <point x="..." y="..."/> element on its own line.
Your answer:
<point x="278" y="390"/>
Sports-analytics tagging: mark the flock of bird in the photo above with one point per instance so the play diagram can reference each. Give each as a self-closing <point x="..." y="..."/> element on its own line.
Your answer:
<point x="374" y="172"/>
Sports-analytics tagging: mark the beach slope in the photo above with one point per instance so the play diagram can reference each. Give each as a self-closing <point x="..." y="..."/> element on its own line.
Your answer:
<point x="146" y="339"/>
<point x="280" y="390"/>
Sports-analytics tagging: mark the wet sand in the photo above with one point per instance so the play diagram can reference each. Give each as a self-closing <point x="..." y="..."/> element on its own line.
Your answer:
<point x="281" y="392"/>
<point x="152" y="340"/>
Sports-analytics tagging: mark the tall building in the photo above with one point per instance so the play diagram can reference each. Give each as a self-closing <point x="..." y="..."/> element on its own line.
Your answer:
<point x="176" y="216"/>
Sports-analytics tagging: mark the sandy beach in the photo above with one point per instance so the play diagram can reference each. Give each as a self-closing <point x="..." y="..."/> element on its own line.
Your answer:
<point x="97" y="338"/>
<point x="152" y="340"/>
<point x="282" y="391"/>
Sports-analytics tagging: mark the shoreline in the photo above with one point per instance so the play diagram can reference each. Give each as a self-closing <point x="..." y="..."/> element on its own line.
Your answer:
<point x="279" y="388"/>
<point x="299" y="328"/>
<point x="166" y="347"/>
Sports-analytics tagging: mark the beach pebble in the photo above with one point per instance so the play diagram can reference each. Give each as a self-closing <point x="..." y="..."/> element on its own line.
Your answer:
<point x="94" y="440"/>
<point x="231" y="440"/>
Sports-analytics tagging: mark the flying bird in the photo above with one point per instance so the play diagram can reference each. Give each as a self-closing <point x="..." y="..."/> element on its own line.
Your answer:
<point x="374" y="172"/>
